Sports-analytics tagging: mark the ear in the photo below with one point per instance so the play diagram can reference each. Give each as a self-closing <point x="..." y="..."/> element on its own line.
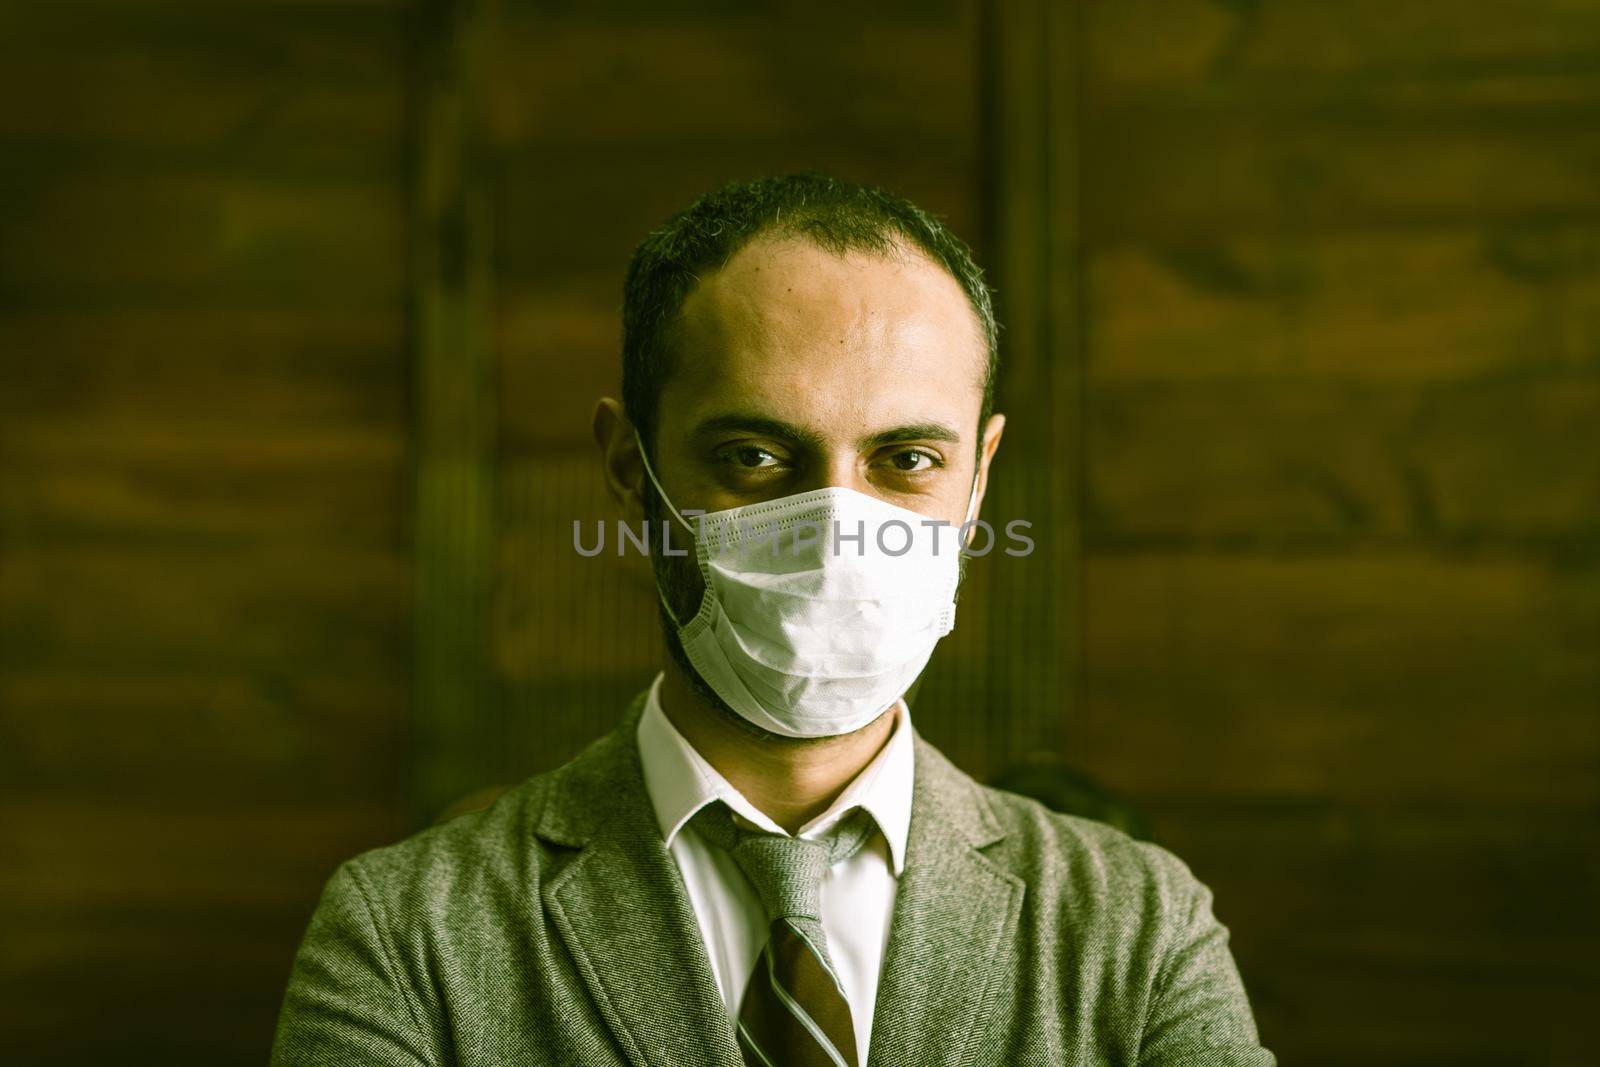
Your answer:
<point x="991" y="442"/>
<point x="619" y="458"/>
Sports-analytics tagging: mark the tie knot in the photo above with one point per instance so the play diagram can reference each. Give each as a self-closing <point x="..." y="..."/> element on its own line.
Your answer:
<point x="786" y="871"/>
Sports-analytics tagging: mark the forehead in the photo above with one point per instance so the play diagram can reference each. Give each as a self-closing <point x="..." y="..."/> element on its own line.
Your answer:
<point x="800" y="333"/>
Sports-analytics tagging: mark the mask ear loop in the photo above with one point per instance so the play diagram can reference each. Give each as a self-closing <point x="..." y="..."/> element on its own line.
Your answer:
<point x="972" y="513"/>
<point x="972" y="500"/>
<point x="651" y="474"/>
<point x="665" y="499"/>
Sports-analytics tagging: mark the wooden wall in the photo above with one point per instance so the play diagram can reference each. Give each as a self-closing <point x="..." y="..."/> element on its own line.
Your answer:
<point x="204" y="625"/>
<point x="304" y="307"/>
<point x="1342" y="501"/>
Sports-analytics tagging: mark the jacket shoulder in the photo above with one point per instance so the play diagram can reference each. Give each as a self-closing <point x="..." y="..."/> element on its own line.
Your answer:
<point x="363" y="987"/>
<point x="458" y="862"/>
<point x="1050" y="851"/>
<point x="1095" y="870"/>
<point x="1132" y="931"/>
<point x="480" y="867"/>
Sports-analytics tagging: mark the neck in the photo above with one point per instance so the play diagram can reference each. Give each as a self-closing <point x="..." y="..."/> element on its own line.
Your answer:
<point x="791" y="780"/>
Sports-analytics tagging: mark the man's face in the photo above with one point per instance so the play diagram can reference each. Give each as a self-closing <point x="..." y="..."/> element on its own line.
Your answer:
<point x="796" y="369"/>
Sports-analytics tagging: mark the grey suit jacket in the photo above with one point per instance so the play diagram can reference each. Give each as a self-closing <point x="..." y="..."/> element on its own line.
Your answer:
<point x="553" y="928"/>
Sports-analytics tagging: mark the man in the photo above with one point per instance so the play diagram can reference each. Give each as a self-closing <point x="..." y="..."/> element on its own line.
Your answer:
<point x="765" y="864"/>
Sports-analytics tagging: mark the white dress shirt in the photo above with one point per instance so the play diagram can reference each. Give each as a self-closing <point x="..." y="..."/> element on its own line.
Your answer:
<point x="857" y="895"/>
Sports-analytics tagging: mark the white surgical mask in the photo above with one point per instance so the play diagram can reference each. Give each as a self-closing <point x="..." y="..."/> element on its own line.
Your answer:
<point x="820" y="609"/>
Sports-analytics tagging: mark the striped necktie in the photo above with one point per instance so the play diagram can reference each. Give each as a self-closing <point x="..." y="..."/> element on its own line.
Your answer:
<point x="794" y="1012"/>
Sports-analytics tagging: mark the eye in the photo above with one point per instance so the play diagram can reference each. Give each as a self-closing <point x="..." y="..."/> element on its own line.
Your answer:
<point x="749" y="457"/>
<point x="913" y="461"/>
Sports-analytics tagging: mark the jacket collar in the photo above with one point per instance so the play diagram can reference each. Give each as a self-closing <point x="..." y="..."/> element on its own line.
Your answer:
<point x="607" y="777"/>
<point x="599" y="784"/>
<point x="680" y="781"/>
<point x="950" y="967"/>
<point x="621" y="910"/>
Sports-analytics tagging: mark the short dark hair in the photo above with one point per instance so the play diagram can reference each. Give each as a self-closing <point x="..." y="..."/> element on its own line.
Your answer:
<point x="837" y="216"/>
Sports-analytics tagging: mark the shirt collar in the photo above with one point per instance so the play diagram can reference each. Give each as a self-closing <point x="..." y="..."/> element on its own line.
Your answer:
<point x="680" y="782"/>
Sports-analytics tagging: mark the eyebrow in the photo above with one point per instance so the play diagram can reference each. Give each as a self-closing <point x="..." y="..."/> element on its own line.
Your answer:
<point x="745" y="422"/>
<point x="917" y="431"/>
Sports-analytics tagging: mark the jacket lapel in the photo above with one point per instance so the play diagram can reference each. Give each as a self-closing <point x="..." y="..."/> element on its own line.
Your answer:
<point x="623" y="914"/>
<point x="951" y="966"/>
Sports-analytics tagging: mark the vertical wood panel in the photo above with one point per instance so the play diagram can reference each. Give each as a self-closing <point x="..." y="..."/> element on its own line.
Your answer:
<point x="1034" y="634"/>
<point x="454" y="709"/>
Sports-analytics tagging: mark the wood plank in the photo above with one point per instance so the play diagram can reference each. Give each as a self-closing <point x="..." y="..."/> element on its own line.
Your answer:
<point x="1172" y="43"/>
<point x="173" y="855"/>
<point x="1338" y="1017"/>
<point x="1460" y="887"/>
<point x="255" y="737"/>
<point x="196" y="236"/>
<point x="650" y="81"/>
<point x="239" y="42"/>
<point x="1406" y="677"/>
<point x="281" y="365"/>
<point x="136" y="93"/>
<point x="1416" y="883"/>
<point x="130" y="482"/>
<point x="1512" y="462"/>
<point x="134" y="108"/>
<point x="579" y="214"/>
<point x="1369" y="306"/>
<point x="1367" y="935"/>
<point x="1240" y="168"/>
<point x="265" y="611"/>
